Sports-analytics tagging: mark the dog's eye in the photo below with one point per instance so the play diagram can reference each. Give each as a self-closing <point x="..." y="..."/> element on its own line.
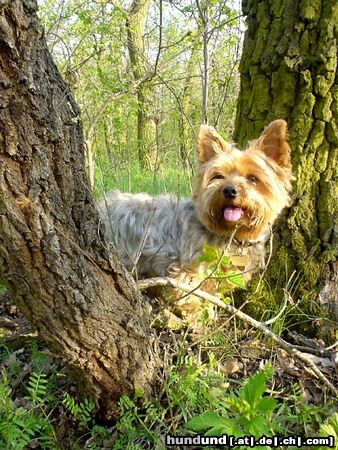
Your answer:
<point x="218" y="176"/>
<point x="252" y="179"/>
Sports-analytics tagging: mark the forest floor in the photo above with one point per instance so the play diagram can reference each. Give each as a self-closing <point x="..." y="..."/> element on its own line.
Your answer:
<point x="214" y="373"/>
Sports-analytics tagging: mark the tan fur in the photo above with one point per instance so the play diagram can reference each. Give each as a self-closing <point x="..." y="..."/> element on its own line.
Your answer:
<point x="267" y="158"/>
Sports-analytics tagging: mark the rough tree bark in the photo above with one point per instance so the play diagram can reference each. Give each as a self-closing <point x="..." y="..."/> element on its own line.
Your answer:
<point x="289" y="70"/>
<point x="146" y="127"/>
<point x="55" y="261"/>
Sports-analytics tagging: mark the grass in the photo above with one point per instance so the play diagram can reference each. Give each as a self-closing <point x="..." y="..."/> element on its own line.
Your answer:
<point x="130" y="178"/>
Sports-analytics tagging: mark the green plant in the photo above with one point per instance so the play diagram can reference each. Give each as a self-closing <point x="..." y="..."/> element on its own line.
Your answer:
<point x="218" y="267"/>
<point x="140" y="423"/>
<point x="192" y="385"/>
<point x="189" y="389"/>
<point x="82" y="411"/>
<point x="100" y="438"/>
<point x="19" y="426"/>
<point x="135" y="180"/>
<point x="37" y="388"/>
<point x="300" y="417"/>
<point x="330" y="428"/>
<point x="246" y="412"/>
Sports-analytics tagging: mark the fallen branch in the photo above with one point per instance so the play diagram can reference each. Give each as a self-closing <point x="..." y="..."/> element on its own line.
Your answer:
<point x="159" y="281"/>
<point x="17" y="341"/>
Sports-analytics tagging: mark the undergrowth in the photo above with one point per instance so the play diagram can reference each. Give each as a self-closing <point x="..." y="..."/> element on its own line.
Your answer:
<point x="196" y="397"/>
<point x="21" y="425"/>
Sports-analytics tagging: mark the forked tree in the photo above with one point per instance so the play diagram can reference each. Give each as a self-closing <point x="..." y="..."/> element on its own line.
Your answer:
<point x="289" y="70"/>
<point x="54" y="257"/>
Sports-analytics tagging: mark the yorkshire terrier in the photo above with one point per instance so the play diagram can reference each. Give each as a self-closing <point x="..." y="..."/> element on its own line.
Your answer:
<point x="238" y="197"/>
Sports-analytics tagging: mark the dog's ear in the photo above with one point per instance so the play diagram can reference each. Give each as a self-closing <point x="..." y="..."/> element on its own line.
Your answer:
<point x="274" y="143"/>
<point x="210" y="143"/>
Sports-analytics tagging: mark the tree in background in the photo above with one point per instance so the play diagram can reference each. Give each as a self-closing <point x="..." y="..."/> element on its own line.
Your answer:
<point x="289" y="70"/>
<point x="146" y="120"/>
<point x="90" y="41"/>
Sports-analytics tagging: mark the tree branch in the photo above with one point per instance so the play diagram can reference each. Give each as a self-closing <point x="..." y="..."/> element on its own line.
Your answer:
<point x="304" y="360"/>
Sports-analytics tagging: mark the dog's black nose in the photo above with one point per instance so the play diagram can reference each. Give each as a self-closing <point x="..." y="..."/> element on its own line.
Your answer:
<point x="230" y="192"/>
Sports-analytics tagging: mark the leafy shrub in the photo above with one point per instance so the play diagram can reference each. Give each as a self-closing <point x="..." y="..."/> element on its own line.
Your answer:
<point x="245" y="413"/>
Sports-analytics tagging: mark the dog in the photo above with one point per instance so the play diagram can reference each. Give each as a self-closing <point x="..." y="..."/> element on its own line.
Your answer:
<point x="239" y="194"/>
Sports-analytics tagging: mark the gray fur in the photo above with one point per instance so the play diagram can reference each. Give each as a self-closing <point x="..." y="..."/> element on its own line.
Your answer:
<point x="162" y="235"/>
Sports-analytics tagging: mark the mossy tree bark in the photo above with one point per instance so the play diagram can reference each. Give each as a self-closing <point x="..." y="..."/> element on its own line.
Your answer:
<point x="146" y="126"/>
<point x="55" y="261"/>
<point x="289" y="70"/>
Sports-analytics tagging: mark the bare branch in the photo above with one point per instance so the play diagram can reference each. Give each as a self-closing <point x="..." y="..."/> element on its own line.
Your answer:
<point x="290" y="349"/>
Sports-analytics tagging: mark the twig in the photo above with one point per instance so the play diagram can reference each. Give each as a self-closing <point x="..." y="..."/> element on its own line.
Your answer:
<point x="331" y="347"/>
<point x="314" y="351"/>
<point x="280" y="312"/>
<point x="159" y="281"/>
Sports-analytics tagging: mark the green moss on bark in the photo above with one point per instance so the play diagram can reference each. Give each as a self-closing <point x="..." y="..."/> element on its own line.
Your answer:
<point x="294" y="44"/>
<point x="310" y="9"/>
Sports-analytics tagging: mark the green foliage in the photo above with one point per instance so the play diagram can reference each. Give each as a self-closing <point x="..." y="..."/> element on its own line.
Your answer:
<point x="302" y="417"/>
<point x="89" y="42"/>
<point x="19" y="426"/>
<point x="37" y="388"/>
<point x="82" y="411"/>
<point x="195" y="395"/>
<point x="244" y="413"/>
<point x="330" y="428"/>
<point x="218" y="267"/>
<point x="192" y="386"/>
<point x="198" y="398"/>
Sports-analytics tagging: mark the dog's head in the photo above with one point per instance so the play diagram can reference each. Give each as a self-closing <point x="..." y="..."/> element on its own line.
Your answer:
<point x="243" y="192"/>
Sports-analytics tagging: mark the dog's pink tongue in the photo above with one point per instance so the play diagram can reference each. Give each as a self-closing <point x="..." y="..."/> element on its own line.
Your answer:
<point x="232" y="213"/>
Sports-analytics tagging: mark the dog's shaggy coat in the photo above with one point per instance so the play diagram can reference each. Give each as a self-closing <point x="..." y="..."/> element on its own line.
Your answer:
<point x="239" y="195"/>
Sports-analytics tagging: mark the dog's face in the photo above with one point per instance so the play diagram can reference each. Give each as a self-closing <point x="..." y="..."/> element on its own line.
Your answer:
<point x="243" y="191"/>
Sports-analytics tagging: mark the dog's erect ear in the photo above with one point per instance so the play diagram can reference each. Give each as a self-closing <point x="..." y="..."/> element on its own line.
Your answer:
<point x="210" y="143"/>
<point x="274" y="143"/>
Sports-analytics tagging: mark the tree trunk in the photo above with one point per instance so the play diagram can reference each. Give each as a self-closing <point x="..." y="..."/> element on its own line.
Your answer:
<point x="184" y="127"/>
<point x="54" y="257"/>
<point x="289" y="70"/>
<point x="146" y="129"/>
<point x="204" y="18"/>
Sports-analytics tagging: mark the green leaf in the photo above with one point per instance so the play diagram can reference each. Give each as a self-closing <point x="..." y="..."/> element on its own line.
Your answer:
<point x="229" y="427"/>
<point x="225" y="261"/>
<point x="237" y="279"/>
<point x="330" y="428"/>
<point x="204" y="421"/>
<point x="216" y="431"/>
<point x="327" y="430"/>
<point x="267" y="405"/>
<point x="209" y="254"/>
<point x="256" y="425"/>
<point x="254" y="388"/>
